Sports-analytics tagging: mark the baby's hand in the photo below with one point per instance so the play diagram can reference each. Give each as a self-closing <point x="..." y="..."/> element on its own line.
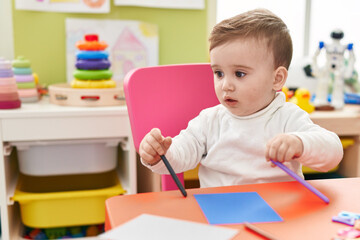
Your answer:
<point x="153" y="145"/>
<point x="284" y="147"/>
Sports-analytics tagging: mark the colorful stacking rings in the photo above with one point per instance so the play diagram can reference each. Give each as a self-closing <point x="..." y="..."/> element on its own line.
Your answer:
<point x="23" y="93"/>
<point x="25" y="81"/>
<point x="8" y="88"/>
<point x="7" y="81"/>
<point x="9" y="97"/>
<point x="92" y="64"/>
<point x="25" y="78"/>
<point x="87" y="64"/>
<point x="93" y="84"/>
<point x="5" y="73"/>
<point x="91" y="45"/>
<point x="26" y="85"/>
<point x="92" y="55"/>
<point x="92" y="74"/>
<point x="22" y="71"/>
<point x="10" y="104"/>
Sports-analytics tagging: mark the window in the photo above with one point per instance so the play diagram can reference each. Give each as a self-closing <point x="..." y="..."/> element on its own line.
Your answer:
<point x="309" y="22"/>
<point x="291" y="12"/>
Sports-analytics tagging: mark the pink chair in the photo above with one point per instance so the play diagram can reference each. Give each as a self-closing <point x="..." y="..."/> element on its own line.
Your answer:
<point x="167" y="97"/>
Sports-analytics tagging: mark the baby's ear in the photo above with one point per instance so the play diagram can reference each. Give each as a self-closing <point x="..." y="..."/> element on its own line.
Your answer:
<point x="280" y="76"/>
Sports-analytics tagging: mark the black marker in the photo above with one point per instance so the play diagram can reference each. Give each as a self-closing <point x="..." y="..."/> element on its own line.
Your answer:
<point x="173" y="175"/>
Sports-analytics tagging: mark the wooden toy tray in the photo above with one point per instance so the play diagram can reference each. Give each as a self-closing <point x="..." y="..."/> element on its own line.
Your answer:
<point x="65" y="95"/>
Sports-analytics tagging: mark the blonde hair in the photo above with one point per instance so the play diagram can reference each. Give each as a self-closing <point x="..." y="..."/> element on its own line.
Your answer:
<point x="260" y="24"/>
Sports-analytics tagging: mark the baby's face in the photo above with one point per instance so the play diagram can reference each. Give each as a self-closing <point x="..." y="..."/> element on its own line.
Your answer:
<point x="243" y="75"/>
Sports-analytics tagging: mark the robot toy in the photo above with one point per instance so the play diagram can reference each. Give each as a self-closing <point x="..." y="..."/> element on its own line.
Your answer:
<point x="336" y="69"/>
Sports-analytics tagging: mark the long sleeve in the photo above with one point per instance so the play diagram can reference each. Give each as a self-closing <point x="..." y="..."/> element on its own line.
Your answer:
<point x="187" y="148"/>
<point x="322" y="148"/>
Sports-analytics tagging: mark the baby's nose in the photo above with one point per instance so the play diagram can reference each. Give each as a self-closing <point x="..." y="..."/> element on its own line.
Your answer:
<point x="227" y="85"/>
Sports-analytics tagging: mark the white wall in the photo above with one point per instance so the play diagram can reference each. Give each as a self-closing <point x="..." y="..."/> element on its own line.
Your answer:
<point x="6" y="30"/>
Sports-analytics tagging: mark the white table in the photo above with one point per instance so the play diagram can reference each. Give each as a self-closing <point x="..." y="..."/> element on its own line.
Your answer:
<point x="44" y="121"/>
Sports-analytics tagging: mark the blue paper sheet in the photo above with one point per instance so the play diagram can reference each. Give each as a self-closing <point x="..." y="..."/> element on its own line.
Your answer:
<point x="235" y="208"/>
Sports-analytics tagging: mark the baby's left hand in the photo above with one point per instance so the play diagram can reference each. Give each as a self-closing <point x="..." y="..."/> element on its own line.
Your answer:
<point x="284" y="147"/>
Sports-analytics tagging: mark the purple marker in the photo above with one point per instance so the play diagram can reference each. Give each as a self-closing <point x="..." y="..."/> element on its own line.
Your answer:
<point x="300" y="180"/>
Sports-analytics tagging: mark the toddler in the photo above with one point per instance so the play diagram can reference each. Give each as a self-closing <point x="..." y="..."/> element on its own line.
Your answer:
<point x="233" y="142"/>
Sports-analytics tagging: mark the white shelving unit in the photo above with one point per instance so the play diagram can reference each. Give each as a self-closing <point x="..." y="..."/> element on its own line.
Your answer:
<point x="43" y="121"/>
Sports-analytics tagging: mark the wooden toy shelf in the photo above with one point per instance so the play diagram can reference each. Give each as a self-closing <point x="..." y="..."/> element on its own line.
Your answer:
<point x="43" y="121"/>
<point x="345" y="123"/>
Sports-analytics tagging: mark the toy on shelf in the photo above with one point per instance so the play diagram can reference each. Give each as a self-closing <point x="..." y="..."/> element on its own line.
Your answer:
<point x="9" y="97"/>
<point x="285" y="90"/>
<point x="302" y="99"/>
<point x="92" y="84"/>
<point x="63" y="232"/>
<point x="25" y="81"/>
<point x="336" y="70"/>
<point x="352" y="98"/>
<point x="92" y="65"/>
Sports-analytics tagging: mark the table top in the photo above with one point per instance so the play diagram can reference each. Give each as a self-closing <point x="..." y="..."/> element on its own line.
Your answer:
<point x="305" y="216"/>
<point x="349" y="111"/>
<point x="45" y="108"/>
<point x="344" y="122"/>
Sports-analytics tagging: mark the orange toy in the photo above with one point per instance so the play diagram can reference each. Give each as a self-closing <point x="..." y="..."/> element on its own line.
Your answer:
<point x="91" y="46"/>
<point x="91" y="43"/>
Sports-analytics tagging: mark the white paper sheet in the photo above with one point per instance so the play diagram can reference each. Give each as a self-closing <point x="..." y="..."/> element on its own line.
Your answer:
<point x="183" y="4"/>
<point x="131" y="44"/>
<point x="74" y="6"/>
<point x="148" y="226"/>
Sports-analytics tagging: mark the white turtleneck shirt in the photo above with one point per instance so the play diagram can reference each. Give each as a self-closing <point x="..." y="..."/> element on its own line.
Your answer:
<point x="231" y="149"/>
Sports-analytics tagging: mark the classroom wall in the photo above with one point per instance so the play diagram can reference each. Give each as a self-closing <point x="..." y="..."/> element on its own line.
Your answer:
<point x="40" y="36"/>
<point x="6" y="31"/>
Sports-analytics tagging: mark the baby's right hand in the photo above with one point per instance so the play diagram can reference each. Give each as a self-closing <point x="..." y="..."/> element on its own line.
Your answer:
<point x="153" y="145"/>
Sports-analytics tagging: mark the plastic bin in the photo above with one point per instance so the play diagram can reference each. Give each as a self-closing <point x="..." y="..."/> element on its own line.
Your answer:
<point x="60" y="201"/>
<point x="66" y="157"/>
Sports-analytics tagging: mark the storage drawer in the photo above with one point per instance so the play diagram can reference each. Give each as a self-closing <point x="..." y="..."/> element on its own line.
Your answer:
<point x="60" y="201"/>
<point x="39" y="158"/>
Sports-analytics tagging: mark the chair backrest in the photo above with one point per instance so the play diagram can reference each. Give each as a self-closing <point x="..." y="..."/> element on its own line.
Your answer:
<point x="167" y="97"/>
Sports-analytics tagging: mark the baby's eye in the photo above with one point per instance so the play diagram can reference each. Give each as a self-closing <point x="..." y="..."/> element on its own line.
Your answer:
<point x="219" y="74"/>
<point x="240" y="74"/>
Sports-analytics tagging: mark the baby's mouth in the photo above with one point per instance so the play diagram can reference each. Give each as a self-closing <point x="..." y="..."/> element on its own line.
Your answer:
<point x="230" y="100"/>
<point x="227" y="99"/>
